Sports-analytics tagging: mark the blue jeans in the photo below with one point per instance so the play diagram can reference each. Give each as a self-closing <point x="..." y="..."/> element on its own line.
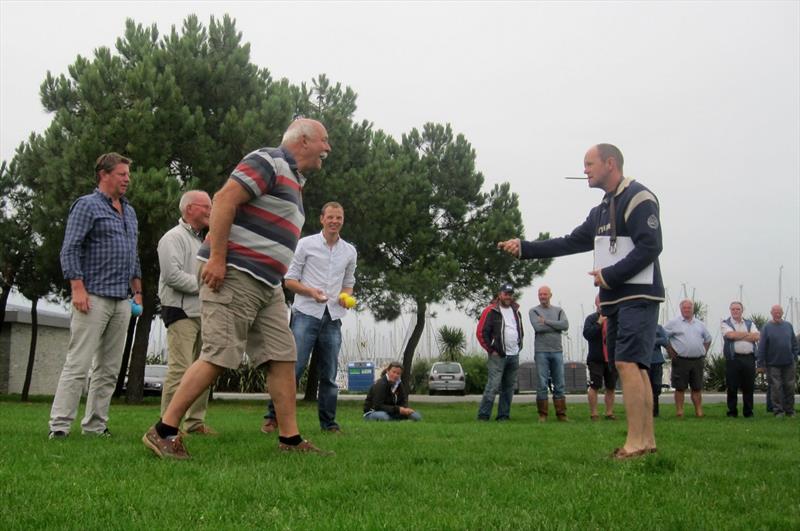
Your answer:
<point x="502" y="375"/>
<point x="550" y="365"/>
<point x="384" y="416"/>
<point x="326" y="335"/>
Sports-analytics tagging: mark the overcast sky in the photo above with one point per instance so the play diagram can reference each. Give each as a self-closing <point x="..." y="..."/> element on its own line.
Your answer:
<point x="702" y="98"/>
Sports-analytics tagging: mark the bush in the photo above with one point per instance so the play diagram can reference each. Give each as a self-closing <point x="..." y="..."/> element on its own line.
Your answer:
<point x="714" y="373"/>
<point x="245" y="379"/>
<point x="477" y="372"/>
<point x="419" y="376"/>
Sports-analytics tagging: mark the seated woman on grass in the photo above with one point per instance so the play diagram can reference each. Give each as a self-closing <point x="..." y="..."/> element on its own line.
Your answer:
<point x="386" y="399"/>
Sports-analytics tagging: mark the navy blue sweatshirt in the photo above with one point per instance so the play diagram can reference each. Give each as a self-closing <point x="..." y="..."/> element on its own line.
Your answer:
<point x="637" y="217"/>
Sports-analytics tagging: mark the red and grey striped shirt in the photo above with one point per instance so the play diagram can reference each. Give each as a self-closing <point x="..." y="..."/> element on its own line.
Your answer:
<point x="266" y="229"/>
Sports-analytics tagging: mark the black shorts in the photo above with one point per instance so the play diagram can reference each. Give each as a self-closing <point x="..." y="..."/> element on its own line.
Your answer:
<point x="599" y="372"/>
<point x="632" y="331"/>
<point x="687" y="372"/>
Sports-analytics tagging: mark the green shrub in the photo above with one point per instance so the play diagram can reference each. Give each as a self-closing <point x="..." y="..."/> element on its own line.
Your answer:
<point x="477" y="372"/>
<point x="419" y="376"/>
<point x="154" y="359"/>
<point x="714" y="373"/>
<point x="245" y="379"/>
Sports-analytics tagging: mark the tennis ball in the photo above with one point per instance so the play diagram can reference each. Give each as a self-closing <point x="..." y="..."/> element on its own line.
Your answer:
<point x="350" y="302"/>
<point x="136" y="309"/>
<point x="343" y="297"/>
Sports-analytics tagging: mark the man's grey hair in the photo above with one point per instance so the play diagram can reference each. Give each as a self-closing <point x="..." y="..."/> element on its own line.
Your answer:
<point x="297" y="129"/>
<point x="187" y="198"/>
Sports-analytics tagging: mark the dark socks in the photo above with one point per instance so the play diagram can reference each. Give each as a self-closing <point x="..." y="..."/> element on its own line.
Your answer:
<point x="294" y="440"/>
<point x="165" y="430"/>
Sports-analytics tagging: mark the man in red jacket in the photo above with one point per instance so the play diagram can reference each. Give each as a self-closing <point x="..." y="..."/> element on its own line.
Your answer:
<point x="500" y="334"/>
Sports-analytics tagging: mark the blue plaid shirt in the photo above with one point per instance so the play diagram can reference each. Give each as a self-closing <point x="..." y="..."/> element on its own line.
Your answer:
<point x="100" y="246"/>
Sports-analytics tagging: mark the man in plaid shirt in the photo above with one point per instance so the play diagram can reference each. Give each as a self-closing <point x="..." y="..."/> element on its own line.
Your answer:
<point x="100" y="261"/>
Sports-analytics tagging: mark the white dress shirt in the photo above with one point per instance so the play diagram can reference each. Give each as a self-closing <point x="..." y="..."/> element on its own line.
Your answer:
<point x="329" y="268"/>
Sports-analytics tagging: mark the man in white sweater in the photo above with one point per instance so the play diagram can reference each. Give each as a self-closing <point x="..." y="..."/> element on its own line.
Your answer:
<point x="180" y="302"/>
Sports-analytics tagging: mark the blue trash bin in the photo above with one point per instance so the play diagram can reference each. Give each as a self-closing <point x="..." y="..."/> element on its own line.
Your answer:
<point x="360" y="375"/>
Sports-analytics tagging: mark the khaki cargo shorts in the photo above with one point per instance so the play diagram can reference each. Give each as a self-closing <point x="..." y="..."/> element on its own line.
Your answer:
<point x="245" y="315"/>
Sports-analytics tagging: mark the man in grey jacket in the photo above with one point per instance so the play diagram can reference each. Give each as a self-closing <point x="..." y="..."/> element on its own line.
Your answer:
<point x="549" y="322"/>
<point x="180" y="302"/>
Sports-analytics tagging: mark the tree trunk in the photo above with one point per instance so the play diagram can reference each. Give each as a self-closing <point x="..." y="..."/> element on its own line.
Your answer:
<point x="411" y="346"/>
<point x="26" y="387"/>
<point x="138" y="358"/>
<point x="312" y="377"/>
<point x="126" y="355"/>
<point x="3" y="302"/>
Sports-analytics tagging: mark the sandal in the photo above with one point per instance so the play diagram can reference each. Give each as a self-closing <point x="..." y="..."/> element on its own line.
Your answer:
<point x="611" y="417"/>
<point x="620" y="454"/>
<point x="594" y="417"/>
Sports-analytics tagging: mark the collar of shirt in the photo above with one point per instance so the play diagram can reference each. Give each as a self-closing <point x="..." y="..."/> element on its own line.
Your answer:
<point x="198" y="233"/>
<point x="322" y="235"/>
<point x="293" y="166"/>
<point x="108" y="199"/>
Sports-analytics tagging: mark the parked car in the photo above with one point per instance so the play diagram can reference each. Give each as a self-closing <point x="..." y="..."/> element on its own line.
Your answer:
<point x="154" y="376"/>
<point x="447" y="376"/>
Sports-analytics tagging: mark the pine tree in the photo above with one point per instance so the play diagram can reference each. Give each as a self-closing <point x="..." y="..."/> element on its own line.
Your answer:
<point x="186" y="108"/>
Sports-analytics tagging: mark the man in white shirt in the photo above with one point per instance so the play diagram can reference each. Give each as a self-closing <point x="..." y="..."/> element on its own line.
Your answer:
<point x="689" y="341"/>
<point x="740" y="338"/>
<point x="323" y="267"/>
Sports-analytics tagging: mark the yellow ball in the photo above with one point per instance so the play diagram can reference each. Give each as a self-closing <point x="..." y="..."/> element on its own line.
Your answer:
<point x="343" y="297"/>
<point x="350" y="302"/>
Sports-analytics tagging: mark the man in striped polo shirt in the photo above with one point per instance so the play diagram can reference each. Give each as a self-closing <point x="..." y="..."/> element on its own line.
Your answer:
<point x="256" y="220"/>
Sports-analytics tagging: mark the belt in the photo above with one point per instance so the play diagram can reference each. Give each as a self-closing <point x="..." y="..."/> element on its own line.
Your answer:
<point x="750" y="354"/>
<point x="688" y="358"/>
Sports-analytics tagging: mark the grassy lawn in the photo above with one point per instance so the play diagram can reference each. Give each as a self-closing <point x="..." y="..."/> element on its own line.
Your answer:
<point x="447" y="472"/>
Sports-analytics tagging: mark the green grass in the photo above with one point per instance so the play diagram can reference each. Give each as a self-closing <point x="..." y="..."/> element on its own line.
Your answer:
<point x="447" y="472"/>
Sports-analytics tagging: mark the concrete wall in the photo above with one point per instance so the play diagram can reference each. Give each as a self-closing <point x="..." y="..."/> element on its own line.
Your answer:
<point x="51" y="351"/>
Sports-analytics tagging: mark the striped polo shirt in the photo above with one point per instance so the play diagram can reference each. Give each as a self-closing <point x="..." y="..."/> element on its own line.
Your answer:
<point x="266" y="229"/>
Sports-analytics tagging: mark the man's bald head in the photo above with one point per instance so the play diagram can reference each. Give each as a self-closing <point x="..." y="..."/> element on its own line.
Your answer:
<point x="609" y="151"/>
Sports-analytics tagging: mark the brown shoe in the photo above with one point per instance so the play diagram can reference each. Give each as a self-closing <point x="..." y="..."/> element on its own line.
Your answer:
<point x="541" y="406"/>
<point x="304" y="447"/>
<point x="202" y="429"/>
<point x="269" y="426"/>
<point x="560" y="405"/>
<point x="169" y="448"/>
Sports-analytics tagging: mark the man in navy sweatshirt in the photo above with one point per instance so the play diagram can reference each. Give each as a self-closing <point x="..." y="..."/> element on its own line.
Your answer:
<point x="625" y="232"/>
<point x="777" y="354"/>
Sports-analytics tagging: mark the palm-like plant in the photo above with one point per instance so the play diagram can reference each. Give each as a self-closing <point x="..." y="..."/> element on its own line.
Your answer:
<point x="699" y="310"/>
<point x="452" y="341"/>
<point x="758" y="319"/>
